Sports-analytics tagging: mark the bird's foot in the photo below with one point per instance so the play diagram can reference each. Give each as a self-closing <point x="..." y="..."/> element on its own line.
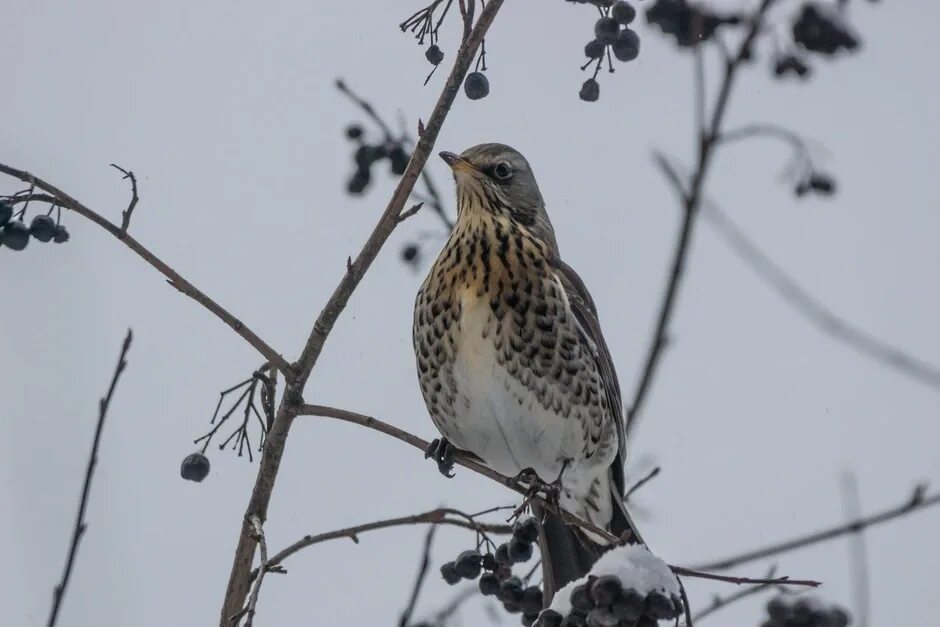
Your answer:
<point x="442" y="452"/>
<point x="536" y="487"/>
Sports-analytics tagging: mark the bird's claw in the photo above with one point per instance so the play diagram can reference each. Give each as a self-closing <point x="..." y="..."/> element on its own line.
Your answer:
<point x="442" y="452"/>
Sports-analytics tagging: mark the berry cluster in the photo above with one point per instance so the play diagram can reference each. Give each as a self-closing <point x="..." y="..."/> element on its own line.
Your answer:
<point x="15" y="235"/>
<point x="425" y="28"/>
<point x="497" y="579"/>
<point x="366" y="155"/>
<point x="195" y="467"/>
<point x="804" y="612"/>
<point x="689" y="24"/>
<point x="822" y="31"/>
<point x="603" y="602"/>
<point x="611" y="35"/>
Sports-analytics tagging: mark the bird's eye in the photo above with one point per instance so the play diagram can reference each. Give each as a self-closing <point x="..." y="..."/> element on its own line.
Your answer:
<point x="502" y="171"/>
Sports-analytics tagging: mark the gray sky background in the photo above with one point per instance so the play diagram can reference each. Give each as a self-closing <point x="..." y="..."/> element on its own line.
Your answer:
<point x="227" y="113"/>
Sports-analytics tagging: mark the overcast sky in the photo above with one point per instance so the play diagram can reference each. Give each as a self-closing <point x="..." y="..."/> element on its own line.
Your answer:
<point x="227" y="113"/>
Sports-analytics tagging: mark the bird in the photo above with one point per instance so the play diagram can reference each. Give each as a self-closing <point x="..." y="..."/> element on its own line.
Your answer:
<point x="512" y="363"/>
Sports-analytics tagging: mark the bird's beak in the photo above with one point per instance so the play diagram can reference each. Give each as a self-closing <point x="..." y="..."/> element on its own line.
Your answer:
<point x="456" y="162"/>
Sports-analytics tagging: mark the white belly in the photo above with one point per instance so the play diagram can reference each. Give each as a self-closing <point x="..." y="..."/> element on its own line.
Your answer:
<point x="500" y="420"/>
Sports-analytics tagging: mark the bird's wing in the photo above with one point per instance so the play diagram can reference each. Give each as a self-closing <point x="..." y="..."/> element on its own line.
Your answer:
<point x="585" y="312"/>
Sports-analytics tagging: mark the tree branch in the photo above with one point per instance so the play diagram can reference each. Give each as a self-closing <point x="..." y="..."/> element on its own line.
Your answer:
<point x="719" y="603"/>
<point x="173" y="278"/>
<point x="126" y="214"/>
<point x="80" y="525"/>
<point x="917" y="501"/>
<point x="268" y="467"/>
<point x="438" y="516"/>
<point x="691" y="200"/>
<point x="405" y="617"/>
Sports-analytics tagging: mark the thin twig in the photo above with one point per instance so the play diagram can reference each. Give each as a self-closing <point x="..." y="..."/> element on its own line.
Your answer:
<point x="80" y="525"/>
<point x="440" y="617"/>
<point x="262" y="569"/>
<point x="639" y="484"/>
<point x="173" y="277"/>
<point x="858" y="554"/>
<point x="405" y="618"/>
<point x="126" y="214"/>
<point x="691" y="202"/>
<point x="777" y="581"/>
<point x="824" y="318"/>
<point x="438" y="516"/>
<point x="719" y="603"/>
<point x="917" y="501"/>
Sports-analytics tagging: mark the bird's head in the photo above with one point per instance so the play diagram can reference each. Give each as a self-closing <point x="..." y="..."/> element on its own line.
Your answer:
<point x="497" y="179"/>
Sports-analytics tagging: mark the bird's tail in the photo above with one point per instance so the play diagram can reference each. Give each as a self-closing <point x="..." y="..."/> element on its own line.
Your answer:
<point x="568" y="553"/>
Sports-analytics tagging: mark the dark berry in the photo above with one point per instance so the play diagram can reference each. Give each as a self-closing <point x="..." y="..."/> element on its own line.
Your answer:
<point x="778" y="608"/>
<point x="358" y="182"/>
<point x="802" y="611"/>
<point x="606" y="589"/>
<point x="532" y="600"/>
<point x="489" y="584"/>
<point x="353" y="131"/>
<point x="629" y="605"/>
<point x="61" y="234"/>
<point x="6" y="212"/>
<point x="623" y="12"/>
<point x="658" y="605"/>
<point x="513" y="607"/>
<point x="519" y="551"/>
<point x="529" y="619"/>
<point x="602" y="617"/>
<point x="550" y="618"/>
<point x="502" y="555"/>
<point x="42" y="228"/>
<point x="489" y="560"/>
<point x="646" y="621"/>
<point x="468" y="564"/>
<point x="590" y="90"/>
<point x="476" y="85"/>
<point x="526" y="530"/>
<point x="434" y="54"/>
<point x="573" y="620"/>
<point x="581" y="598"/>
<point x="822" y="183"/>
<point x="399" y="159"/>
<point x="511" y="590"/>
<point x="449" y="573"/>
<point x="195" y="467"/>
<point x="594" y="49"/>
<point x="606" y="30"/>
<point x="839" y="617"/>
<point x="627" y="45"/>
<point x="410" y="253"/>
<point x="15" y="235"/>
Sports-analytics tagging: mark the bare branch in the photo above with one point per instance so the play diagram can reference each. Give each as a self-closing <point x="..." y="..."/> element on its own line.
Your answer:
<point x="126" y="214"/>
<point x="917" y="501"/>
<point x="691" y="201"/>
<point x="173" y="278"/>
<point x="405" y="618"/>
<point x="719" y="603"/>
<point x="80" y="525"/>
<point x="263" y="568"/>
<point x="239" y="578"/>
<point x="639" y="484"/>
<point x="824" y="318"/>
<point x="778" y="581"/>
<point x="438" y="516"/>
<point x="463" y="460"/>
